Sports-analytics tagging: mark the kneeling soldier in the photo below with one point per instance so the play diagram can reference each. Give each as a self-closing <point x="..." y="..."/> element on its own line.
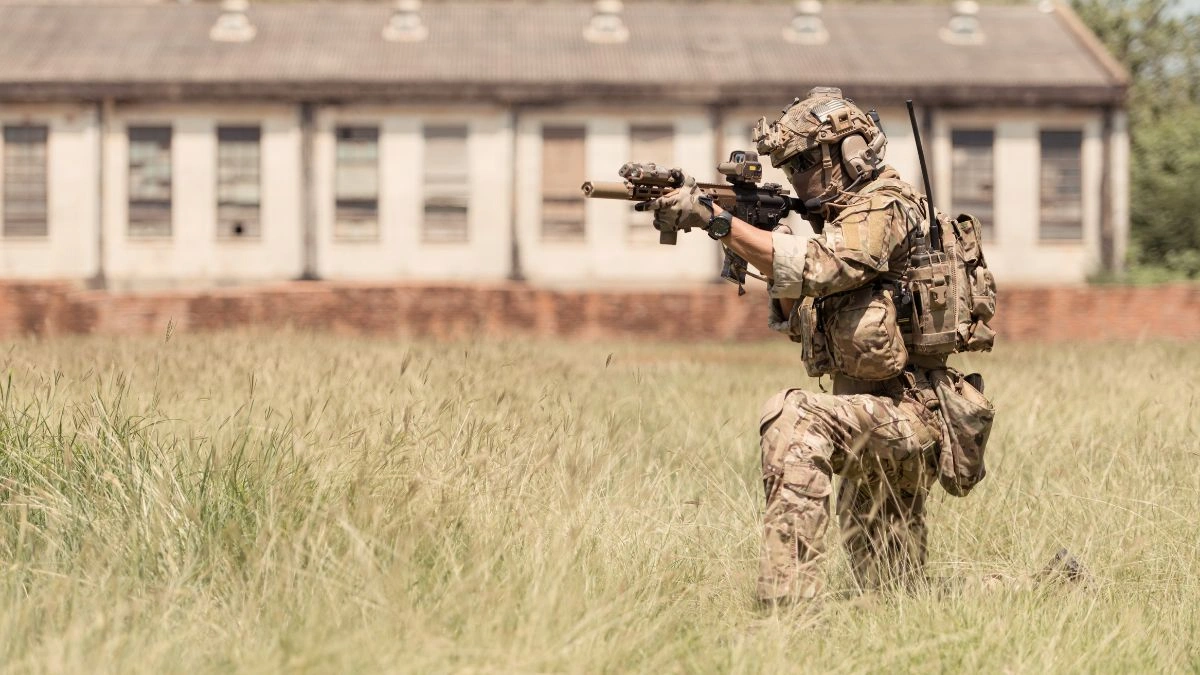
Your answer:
<point x="847" y="297"/>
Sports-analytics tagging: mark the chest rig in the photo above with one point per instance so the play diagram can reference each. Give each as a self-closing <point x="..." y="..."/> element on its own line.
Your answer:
<point x="931" y="302"/>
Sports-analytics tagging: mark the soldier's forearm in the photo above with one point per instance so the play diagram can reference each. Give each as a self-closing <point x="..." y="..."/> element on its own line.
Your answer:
<point x="751" y="243"/>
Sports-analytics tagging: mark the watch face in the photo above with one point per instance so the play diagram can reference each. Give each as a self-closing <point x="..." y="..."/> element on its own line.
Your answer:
<point x="720" y="226"/>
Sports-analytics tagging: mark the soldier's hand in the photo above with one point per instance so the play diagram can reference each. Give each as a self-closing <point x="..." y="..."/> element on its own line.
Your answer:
<point x="683" y="208"/>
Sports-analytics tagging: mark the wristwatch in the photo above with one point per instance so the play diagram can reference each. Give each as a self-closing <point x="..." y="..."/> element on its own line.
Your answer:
<point x="720" y="225"/>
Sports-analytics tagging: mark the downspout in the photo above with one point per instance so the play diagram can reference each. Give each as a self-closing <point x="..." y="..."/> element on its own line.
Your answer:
<point x="308" y="208"/>
<point x="515" y="272"/>
<point x="1108" y="247"/>
<point x="717" y="120"/>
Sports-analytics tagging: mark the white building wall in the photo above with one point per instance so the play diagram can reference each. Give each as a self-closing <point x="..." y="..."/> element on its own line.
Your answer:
<point x="607" y="255"/>
<point x="399" y="253"/>
<point x="1016" y="253"/>
<point x="193" y="254"/>
<point x="69" y="249"/>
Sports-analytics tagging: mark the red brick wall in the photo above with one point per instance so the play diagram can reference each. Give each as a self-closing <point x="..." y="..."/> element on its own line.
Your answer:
<point x="708" y="312"/>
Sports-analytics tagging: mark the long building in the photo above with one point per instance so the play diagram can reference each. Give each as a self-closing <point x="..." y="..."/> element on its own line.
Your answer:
<point x="166" y="144"/>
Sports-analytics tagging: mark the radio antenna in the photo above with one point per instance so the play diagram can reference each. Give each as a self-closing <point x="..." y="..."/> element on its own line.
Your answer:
<point x="935" y="230"/>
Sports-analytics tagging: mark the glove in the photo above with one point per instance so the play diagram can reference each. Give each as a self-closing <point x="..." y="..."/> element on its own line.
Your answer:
<point x="683" y="208"/>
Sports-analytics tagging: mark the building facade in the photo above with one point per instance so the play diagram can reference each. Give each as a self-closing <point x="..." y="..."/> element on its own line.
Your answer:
<point x="157" y="145"/>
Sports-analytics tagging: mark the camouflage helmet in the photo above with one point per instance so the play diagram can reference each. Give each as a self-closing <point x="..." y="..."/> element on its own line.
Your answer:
<point x="823" y="119"/>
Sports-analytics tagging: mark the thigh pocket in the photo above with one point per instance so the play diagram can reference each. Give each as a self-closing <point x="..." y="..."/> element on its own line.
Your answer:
<point x="901" y="431"/>
<point x="776" y="428"/>
<point x="806" y="479"/>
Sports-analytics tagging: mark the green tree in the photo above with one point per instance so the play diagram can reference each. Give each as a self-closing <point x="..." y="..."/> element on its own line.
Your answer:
<point x="1161" y="48"/>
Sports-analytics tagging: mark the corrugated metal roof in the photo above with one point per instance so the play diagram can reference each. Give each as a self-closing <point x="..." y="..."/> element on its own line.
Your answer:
<point x="701" y="52"/>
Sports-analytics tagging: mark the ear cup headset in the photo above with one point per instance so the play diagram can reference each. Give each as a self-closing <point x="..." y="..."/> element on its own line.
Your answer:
<point x="812" y="128"/>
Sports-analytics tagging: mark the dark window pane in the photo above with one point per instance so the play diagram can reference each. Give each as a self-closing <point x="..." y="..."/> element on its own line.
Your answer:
<point x="649" y="143"/>
<point x="562" y="173"/>
<point x="150" y="181"/>
<point x="25" y="180"/>
<point x="446" y="185"/>
<point x="239" y="164"/>
<point x="356" y="183"/>
<point x="1062" y="185"/>
<point x="973" y="175"/>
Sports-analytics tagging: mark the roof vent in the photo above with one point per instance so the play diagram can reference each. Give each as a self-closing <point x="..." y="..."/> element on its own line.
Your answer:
<point x="606" y="26"/>
<point x="233" y="25"/>
<point x="405" y="24"/>
<point x="807" y="27"/>
<point x="963" y="28"/>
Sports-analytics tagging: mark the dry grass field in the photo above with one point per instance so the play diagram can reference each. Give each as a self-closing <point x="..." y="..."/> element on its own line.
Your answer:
<point x="294" y="503"/>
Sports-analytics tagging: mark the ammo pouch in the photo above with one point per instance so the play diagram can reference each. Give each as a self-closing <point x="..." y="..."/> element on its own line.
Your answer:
<point x="977" y="290"/>
<point x="864" y="339"/>
<point x="814" y="348"/>
<point x="968" y="419"/>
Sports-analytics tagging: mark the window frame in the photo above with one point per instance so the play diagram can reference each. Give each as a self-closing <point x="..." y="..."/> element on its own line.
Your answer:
<point x="130" y="131"/>
<point x="1079" y="133"/>
<point x="343" y="206"/>
<point x="462" y="235"/>
<point x="639" y="226"/>
<point x="564" y="130"/>
<point x="256" y="234"/>
<point x="6" y="199"/>
<point x="989" y="224"/>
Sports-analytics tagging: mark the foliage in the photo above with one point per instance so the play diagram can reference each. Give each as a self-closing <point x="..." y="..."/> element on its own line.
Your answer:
<point x="268" y="503"/>
<point x="1161" y="48"/>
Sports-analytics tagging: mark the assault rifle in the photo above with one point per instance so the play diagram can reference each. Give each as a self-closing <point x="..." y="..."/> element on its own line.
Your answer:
<point x="762" y="206"/>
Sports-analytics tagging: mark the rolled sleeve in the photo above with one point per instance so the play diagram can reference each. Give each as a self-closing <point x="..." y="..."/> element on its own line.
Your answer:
<point x="788" y="265"/>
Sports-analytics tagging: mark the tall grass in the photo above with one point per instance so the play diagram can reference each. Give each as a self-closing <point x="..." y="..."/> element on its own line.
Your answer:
<point x="295" y="503"/>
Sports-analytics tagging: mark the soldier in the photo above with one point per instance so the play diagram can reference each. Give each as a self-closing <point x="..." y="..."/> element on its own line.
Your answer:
<point x="879" y="429"/>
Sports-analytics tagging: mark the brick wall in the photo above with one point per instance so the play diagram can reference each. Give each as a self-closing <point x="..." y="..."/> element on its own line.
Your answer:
<point x="441" y="311"/>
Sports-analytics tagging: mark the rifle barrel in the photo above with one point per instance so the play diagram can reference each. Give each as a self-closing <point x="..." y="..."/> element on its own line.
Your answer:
<point x="607" y="190"/>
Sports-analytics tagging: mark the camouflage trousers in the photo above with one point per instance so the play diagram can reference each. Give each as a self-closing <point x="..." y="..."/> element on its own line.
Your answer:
<point x="881" y="446"/>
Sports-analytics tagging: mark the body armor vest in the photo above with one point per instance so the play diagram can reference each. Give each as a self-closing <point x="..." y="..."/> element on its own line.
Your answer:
<point x="938" y="305"/>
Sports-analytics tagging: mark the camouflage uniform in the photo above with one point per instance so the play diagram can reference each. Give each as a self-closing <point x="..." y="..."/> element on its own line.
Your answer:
<point x="880" y="436"/>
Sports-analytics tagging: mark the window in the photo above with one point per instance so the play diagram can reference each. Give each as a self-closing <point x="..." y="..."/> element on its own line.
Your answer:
<point x="973" y="175"/>
<point x="25" y="181"/>
<point x="562" y="174"/>
<point x="149" y="181"/>
<point x="1062" y="185"/>
<point x="356" y="184"/>
<point x="446" y="187"/>
<point x="238" y="181"/>
<point x="649" y="143"/>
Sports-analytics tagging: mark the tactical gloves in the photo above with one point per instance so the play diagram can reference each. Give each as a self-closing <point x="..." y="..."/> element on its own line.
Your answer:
<point x="684" y="208"/>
